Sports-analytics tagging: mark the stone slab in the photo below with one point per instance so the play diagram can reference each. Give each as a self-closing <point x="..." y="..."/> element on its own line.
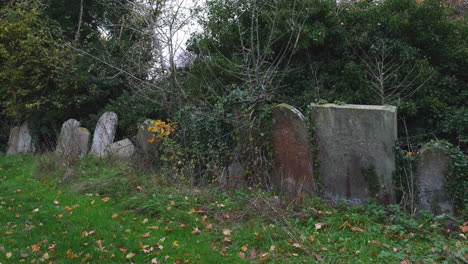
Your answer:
<point x="13" y="141"/>
<point x="432" y="167"/>
<point x="68" y="141"/>
<point x="121" y="149"/>
<point x="84" y="137"/>
<point x="355" y="150"/>
<point x="25" y="144"/>
<point x="104" y="134"/>
<point x="142" y="139"/>
<point x="292" y="156"/>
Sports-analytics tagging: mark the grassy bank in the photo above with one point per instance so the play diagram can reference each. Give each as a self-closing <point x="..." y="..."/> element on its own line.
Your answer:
<point x="103" y="211"/>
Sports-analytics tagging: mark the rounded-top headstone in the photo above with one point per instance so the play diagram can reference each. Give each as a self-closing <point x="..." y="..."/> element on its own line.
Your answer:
<point x="293" y="162"/>
<point x="68" y="141"/>
<point x="104" y="134"/>
<point x="142" y="139"/>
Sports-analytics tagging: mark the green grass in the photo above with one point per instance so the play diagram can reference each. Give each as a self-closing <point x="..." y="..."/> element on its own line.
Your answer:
<point x="103" y="211"/>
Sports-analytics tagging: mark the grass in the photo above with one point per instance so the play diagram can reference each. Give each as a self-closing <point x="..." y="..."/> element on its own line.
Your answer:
<point x="103" y="211"/>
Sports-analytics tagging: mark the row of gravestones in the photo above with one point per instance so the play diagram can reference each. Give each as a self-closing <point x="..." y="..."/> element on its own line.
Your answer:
<point x="355" y="156"/>
<point x="354" y="150"/>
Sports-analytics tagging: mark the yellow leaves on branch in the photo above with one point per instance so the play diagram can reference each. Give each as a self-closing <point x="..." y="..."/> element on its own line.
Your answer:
<point x="160" y="129"/>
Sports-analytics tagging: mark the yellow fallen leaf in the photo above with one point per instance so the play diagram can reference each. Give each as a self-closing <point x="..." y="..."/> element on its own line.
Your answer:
<point x="244" y="247"/>
<point x="175" y="243"/>
<point x="8" y="255"/>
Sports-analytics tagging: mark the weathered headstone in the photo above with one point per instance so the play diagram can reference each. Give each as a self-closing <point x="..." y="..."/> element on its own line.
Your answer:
<point x="142" y="139"/>
<point x="68" y="141"/>
<point x="432" y="167"/>
<point x="293" y="163"/>
<point x="121" y="149"/>
<point x="25" y="144"/>
<point x="231" y="175"/>
<point x="13" y="141"/>
<point x="355" y="150"/>
<point x="104" y="133"/>
<point x="83" y="140"/>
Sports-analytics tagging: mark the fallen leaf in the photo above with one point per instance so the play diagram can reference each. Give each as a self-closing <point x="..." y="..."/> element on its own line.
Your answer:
<point x="196" y="231"/>
<point x="105" y="199"/>
<point x="318" y="258"/>
<point x="130" y="255"/>
<point x="226" y="232"/>
<point x="144" y="221"/>
<point x="145" y="235"/>
<point x="253" y="253"/>
<point x="464" y="228"/>
<point x="244" y="247"/>
<point x="175" y="244"/>
<point x="8" y="255"/>
<point x="318" y="226"/>
<point x="114" y="216"/>
<point x="154" y="261"/>
<point x="296" y="245"/>
<point x="35" y="210"/>
<point x="241" y="255"/>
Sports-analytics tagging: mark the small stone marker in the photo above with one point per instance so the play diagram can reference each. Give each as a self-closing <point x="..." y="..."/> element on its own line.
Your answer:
<point x="20" y="140"/>
<point x="68" y="141"/>
<point x="104" y="134"/>
<point x="13" y="141"/>
<point x="433" y="165"/>
<point x="355" y="150"/>
<point x="142" y="139"/>
<point x="293" y="163"/>
<point x="121" y="149"/>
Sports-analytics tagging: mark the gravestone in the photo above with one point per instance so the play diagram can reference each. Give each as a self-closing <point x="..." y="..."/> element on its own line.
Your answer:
<point x="355" y="151"/>
<point x="25" y="144"/>
<point x="121" y="149"/>
<point x="83" y="138"/>
<point x="13" y="141"/>
<point x="292" y="157"/>
<point x="68" y="143"/>
<point x="142" y="139"/>
<point x="104" y="134"/>
<point x="432" y="167"/>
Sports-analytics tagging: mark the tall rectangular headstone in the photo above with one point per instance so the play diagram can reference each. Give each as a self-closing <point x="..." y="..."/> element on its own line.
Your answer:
<point x="355" y="150"/>
<point x="433" y="165"/>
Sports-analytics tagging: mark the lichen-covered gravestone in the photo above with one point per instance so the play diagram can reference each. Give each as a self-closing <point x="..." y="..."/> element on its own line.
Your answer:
<point x="121" y="149"/>
<point x="68" y="140"/>
<point x="355" y="150"/>
<point x="13" y="141"/>
<point x="293" y="163"/>
<point x="432" y="167"/>
<point x="142" y="139"/>
<point x="104" y="134"/>
<point x="20" y="140"/>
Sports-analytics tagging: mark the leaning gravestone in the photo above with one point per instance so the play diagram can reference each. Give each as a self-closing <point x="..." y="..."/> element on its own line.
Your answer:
<point x="68" y="141"/>
<point x="355" y="150"/>
<point x="13" y="141"/>
<point x="293" y="163"/>
<point x="432" y="167"/>
<point x="121" y="149"/>
<point x="104" y="133"/>
<point x="142" y="139"/>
